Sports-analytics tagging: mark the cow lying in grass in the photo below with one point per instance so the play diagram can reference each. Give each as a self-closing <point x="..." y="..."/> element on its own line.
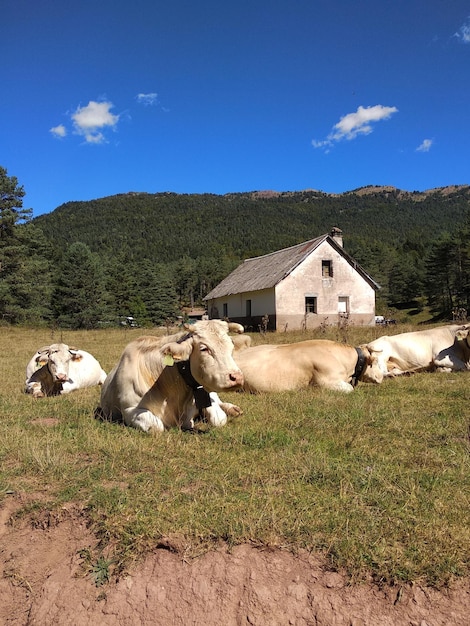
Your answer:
<point x="321" y="362"/>
<point x="58" y="369"/>
<point x="149" y="391"/>
<point x="443" y="348"/>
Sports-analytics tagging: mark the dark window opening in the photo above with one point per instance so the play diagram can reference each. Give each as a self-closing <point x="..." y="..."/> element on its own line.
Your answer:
<point x="327" y="269"/>
<point x="310" y="304"/>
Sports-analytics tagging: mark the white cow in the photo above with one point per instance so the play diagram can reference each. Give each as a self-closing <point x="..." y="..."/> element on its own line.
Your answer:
<point x="58" y="369"/>
<point x="320" y="362"/>
<point x="149" y="392"/>
<point x="442" y="348"/>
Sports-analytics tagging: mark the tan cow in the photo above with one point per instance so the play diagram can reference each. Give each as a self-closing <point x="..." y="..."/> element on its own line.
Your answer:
<point x="241" y="342"/>
<point x="59" y="369"/>
<point x="422" y="350"/>
<point x="149" y="392"/>
<point x="321" y="362"/>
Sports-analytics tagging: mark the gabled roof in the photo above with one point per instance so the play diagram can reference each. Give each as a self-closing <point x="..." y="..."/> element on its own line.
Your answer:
<point x="265" y="272"/>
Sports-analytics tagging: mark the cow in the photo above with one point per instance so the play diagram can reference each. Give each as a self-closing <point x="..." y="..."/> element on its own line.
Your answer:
<point x="59" y="369"/>
<point x="241" y="342"/>
<point x="319" y="362"/>
<point x="149" y="391"/>
<point x="422" y="350"/>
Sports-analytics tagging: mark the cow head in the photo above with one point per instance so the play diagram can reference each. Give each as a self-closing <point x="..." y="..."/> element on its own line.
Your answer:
<point x="208" y="348"/>
<point x="462" y="334"/>
<point x="57" y="357"/>
<point x="372" y="372"/>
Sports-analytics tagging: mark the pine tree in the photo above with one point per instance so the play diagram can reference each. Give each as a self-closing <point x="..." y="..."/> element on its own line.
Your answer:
<point x="25" y="279"/>
<point x="157" y="293"/>
<point x="80" y="299"/>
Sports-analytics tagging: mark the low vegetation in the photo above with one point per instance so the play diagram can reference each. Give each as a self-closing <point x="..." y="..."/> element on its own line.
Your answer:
<point x="378" y="480"/>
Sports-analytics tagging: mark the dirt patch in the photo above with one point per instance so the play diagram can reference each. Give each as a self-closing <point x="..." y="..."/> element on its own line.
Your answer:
<point x="45" y="421"/>
<point x="43" y="582"/>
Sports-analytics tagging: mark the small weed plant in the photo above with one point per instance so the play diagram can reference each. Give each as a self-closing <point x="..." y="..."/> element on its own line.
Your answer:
<point x="377" y="480"/>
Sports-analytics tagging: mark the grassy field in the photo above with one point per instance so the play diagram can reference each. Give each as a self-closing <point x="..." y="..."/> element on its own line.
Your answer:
<point x="378" y="480"/>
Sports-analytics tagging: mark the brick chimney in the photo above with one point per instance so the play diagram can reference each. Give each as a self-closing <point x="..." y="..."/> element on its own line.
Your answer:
<point x="337" y="235"/>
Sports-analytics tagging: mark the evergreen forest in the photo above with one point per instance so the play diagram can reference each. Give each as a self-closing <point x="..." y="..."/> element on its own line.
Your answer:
<point x="150" y="255"/>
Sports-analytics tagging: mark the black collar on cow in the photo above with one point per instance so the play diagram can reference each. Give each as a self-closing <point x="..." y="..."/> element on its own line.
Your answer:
<point x="184" y="338"/>
<point x="360" y="367"/>
<point x="202" y="398"/>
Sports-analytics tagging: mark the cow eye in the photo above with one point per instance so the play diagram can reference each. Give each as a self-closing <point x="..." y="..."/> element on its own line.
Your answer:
<point x="203" y="348"/>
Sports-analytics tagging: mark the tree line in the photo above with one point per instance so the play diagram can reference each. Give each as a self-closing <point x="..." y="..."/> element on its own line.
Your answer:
<point x="94" y="263"/>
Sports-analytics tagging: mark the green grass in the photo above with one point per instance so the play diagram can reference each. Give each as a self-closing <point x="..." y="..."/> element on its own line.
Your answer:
<point x="377" y="480"/>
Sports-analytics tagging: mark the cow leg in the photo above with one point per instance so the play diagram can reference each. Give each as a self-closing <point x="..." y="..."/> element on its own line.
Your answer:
<point x="341" y="385"/>
<point x="143" y="419"/>
<point x="35" y="389"/>
<point x="219" y="411"/>
<point x="67" y="388"/>
<point x="449" y="365"/>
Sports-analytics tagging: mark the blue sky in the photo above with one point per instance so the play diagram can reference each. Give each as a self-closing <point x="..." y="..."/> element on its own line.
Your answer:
<point x="196" y="96"/>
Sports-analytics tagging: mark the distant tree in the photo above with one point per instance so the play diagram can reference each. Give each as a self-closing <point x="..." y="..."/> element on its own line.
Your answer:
<point x="186" y="280"/>
<point x="406" y="278"/>
<point x="24" y="258"/>
<point x="439" y="276"/>
<point x="80" y="299"/>
<point x="156" y="294"/>
<point x="461" y="262"/>
<point x="121" y="284"/>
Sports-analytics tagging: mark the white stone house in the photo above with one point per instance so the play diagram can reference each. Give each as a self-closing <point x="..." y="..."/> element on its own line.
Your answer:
<point x="313" y="283"/>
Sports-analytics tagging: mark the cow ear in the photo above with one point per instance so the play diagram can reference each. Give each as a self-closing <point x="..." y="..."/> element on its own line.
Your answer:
<point x="178" y="351"/>
<point x="462" y="334"/>
<point x="235" y="328"/>
<point x="76" y="356"/>
<point x="367" y="354"/>
<point x="373" y="351"/>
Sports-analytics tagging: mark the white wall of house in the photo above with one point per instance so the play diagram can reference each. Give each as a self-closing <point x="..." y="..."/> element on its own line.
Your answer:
<point x="344" y="291"/>
<point x="236" y="306"/>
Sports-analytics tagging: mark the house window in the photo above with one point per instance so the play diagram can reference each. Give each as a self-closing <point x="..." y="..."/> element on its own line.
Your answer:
<point x="225" y="308"/>
<point x="327" y="269"/>
<point x="343" y="305"/>
<point x="248" y="308"/>
<point x="310" y="304"/>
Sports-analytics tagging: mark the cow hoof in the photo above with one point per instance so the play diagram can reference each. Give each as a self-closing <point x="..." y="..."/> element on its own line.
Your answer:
<point x="232" y="410"/>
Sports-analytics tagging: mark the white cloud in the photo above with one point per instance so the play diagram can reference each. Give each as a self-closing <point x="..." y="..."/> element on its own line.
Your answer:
<point x="354" y="124"/>
<point x="147" y="99"/>
<point x="464" y="32"/>
<point x="58" y="131"/>
<point x="89" y="121"/>
<point x="425" y="146"/>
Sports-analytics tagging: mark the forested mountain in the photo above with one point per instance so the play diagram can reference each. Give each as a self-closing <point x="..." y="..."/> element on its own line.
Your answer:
<point x="149" y="255"/>
<point x="199" y="239"/>
<point x="167" y="226"/>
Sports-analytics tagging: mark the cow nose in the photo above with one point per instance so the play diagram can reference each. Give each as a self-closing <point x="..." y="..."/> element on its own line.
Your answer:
<point x="61" y="377"/>
<point x="236" y="378"/>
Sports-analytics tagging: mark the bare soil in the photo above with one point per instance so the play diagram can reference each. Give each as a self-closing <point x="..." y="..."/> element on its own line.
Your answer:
<point x="43" y="581"/>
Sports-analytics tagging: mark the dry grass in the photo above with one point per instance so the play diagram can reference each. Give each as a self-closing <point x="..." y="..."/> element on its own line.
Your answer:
<point x="377" y="479"/>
